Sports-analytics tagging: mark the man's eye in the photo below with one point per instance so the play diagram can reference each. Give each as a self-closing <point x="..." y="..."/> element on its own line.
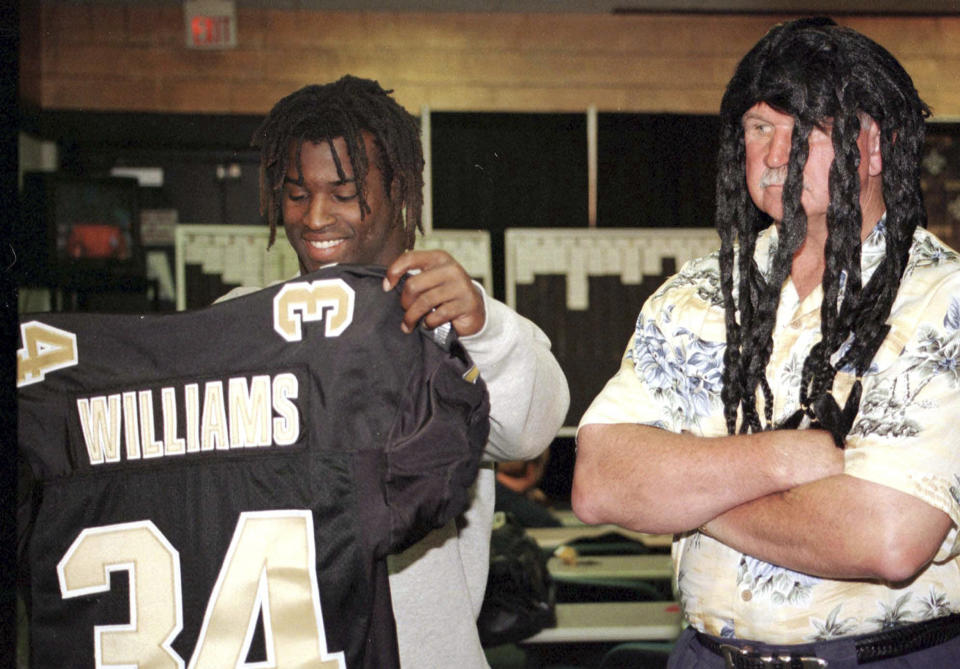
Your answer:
<point x="296" y="197"/>
<point x="345" y="197"/>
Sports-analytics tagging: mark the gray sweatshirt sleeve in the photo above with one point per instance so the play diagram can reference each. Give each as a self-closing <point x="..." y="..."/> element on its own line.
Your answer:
<point x="528" y="391"/>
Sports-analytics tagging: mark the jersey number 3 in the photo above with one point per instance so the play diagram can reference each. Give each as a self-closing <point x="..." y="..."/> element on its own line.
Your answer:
<point x="268" y="574"/>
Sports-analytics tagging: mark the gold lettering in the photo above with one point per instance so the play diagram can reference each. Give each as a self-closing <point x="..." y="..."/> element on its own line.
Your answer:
<point x="45" y="349"/>
<point x="100" y="423"/>
<point x="250" y="412"/>
<point x="191" y="395"/>
<point x="213" y="423"/>
<point x="257" y="411"/>
<point x="151" y="447"/>
<point x="172" y="445"/>
<point x="286" y="426"/>
<point x="329" y="300"/>
<point x="131" y="424"/>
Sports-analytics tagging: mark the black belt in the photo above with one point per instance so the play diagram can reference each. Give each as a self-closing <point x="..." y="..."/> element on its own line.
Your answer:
<point x="870" y="648"/>
<point x="745" y="657"/>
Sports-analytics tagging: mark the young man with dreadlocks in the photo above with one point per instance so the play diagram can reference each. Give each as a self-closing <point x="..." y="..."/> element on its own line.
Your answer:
<point x="786" y="406"/>
<point x="342" y="172"/>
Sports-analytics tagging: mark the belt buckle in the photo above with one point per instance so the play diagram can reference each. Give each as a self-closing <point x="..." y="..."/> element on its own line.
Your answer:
<point x="731" y="653"/>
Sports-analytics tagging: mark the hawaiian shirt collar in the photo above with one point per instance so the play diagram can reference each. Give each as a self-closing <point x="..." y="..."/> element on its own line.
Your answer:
<point x="872" y="250"/>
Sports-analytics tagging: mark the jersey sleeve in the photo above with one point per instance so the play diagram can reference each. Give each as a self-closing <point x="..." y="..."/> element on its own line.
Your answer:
<point x="434" y="448"/>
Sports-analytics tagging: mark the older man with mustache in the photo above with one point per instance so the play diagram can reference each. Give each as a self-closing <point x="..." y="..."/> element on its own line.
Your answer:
<point x="783" y="405"/>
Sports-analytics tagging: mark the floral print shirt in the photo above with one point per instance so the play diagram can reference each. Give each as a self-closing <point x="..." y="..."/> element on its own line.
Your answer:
<point x="905" y="436"/>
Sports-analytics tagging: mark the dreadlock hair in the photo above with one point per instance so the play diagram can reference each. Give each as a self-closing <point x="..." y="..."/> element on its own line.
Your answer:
<point x="817" y="72"/>
<point x="344" y="108"/>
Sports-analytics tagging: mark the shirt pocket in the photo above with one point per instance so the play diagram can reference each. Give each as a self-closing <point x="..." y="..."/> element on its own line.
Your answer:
<point x="886" y="356"/>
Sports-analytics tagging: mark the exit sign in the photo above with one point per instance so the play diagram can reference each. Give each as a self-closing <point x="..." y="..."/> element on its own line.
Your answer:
<point x="211" y="24"/>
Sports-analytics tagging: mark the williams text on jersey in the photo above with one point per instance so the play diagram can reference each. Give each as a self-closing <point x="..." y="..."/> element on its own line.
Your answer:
<point x="221" y="414"/>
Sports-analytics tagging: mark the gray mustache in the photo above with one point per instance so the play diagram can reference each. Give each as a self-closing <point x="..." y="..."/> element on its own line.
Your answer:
<point x="775" y="177"/>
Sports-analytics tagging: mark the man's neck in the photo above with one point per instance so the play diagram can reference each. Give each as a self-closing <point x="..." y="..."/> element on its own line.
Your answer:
<point x="806" y="271"/>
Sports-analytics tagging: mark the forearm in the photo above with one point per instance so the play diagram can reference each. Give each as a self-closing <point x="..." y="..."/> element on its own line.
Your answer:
<point x="837" y="527"/>
<point x="653" y="480"/>
<point x="528" y="391"/>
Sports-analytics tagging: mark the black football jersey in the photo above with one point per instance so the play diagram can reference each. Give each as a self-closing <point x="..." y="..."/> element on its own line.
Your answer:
<point x="220" y="488"/>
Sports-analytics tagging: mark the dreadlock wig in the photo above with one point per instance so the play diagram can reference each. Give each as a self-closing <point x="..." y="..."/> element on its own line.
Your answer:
<point x="344" y="108"/>
<point x="824" y="76"/>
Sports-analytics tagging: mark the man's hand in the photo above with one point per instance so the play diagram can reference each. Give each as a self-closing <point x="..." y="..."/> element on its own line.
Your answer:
<point x="442" y="292"/>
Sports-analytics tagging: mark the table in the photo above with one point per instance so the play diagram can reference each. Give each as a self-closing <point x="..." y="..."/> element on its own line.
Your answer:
<point x="612" y="622"/>
<point x="549" y="538"/>
<point x="567" y="518"/>
<point x="599" y="568"/>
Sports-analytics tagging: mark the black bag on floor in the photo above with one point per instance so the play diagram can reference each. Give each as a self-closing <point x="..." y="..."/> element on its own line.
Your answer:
<point x="520" y="598"/>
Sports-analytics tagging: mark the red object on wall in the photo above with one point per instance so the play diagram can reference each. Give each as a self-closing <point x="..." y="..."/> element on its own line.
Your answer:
<point x="96" y="240"/>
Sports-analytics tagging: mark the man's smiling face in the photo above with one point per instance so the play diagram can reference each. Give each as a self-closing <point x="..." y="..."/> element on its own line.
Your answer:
<point x="321" y="210"/>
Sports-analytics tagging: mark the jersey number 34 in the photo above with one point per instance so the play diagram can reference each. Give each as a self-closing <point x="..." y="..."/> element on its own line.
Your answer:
<point x="268" y="574"/>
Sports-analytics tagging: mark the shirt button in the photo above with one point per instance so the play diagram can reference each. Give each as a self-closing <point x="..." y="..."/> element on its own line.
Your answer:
<point x="746" y="595"/>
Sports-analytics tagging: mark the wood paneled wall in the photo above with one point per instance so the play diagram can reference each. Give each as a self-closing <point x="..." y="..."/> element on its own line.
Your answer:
<point x="132" y="57"/>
